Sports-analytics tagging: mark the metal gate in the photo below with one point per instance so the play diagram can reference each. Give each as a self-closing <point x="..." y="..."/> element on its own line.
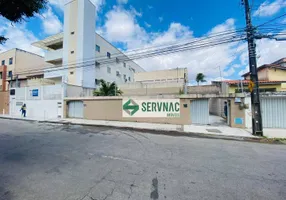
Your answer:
<point x="200" y="111"/>
<point x="273" y="112"/>
<point x="75" y="109"/>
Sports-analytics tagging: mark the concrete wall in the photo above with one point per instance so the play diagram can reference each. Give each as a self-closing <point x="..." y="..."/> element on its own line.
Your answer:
<point x="47" y="105"/>
<point x="171" y="75"/>
<point x="4" y="102"/>
<point x="236" y="112"/>
<point x="151" y="91"/>
<point x="110" y="108"/>
<point x="216" y="106"/>
<point x="203" y="89"/>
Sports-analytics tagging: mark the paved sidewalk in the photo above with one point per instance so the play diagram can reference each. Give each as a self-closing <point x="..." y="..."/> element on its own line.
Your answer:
<point x="207" y="130"/>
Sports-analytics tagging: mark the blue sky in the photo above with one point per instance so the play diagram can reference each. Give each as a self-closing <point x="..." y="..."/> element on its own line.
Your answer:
<point x="133" y="24"/>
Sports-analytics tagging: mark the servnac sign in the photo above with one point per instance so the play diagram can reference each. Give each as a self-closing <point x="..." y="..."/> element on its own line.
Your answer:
<point x="151" y="108"/>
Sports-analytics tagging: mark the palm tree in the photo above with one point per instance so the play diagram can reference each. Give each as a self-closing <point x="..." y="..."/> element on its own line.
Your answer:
<point x="107" y="89"/>
<point x="200" y="78"/>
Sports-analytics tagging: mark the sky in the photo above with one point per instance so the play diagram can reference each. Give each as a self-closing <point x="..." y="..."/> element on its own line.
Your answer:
<point x="135" y="24"/>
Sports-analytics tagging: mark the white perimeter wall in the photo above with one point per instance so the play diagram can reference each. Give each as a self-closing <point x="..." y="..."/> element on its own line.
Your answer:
<point x="47" y="105"/>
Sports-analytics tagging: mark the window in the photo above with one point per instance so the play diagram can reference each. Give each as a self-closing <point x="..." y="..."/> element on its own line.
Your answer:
<point x="10" y="74"/>
<point x="117" y="60"/>
<point x="97" y="64"/>
<point x="124" y="77"/>
<point x="72" y="52"/>
<point x="0" y="75"/>
<point x="124" y="64"/>
<point x="97" y="82"/>
<point x="3" y="62"/>
<point x="117" y="73"/>
<point x="97" y="48"/>
<point x="72" y="33"/>
<point x="108" y="55"/>
<point x="109" y="70"/>
<point x="129" y="79"/>
<point x="10" y="61"/>
<point x="71" y="73"/>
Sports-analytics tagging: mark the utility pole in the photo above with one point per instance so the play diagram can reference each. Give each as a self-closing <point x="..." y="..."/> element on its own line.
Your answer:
<point x="257" y="128"/>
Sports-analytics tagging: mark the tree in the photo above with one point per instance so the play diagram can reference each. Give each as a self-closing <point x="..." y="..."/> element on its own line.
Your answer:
<point x="107" y="89"/>
<point x="200" y="78"/>
<point x="18" y="10"/>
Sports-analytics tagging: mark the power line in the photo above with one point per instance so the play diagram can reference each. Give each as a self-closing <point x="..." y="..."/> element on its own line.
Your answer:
<point x="271" y="20"/>
<point x="153" y="54"/>
<point x="128" y="53"/>
<point x="130" y="57"/>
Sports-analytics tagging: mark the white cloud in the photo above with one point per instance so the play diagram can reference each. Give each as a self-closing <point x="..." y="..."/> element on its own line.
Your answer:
<point x="121" y="27"/>
<point x="51" y="23"/>
<point x="18" y="37"/>
<point x="147" y="25"/>
<point x="229" y="72"/>
<point x="269" y="9"/>
<point x="60" y="3"/>
<point x="122" y="1"/>
<point x="161" y="19"/>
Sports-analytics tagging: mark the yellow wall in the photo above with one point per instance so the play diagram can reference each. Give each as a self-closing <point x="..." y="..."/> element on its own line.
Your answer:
<point x="277" y="75"/>
<point x="26" y="61"/>
<point x="262" y="75"/>
<point x="232" y="88"/>
<point x="111" y="109"/>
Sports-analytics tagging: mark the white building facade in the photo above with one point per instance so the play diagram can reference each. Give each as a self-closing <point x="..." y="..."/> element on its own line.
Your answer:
<point x="81" y="56"/>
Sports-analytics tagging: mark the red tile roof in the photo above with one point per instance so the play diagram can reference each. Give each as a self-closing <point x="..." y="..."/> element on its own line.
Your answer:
<point x="235" y="82"/>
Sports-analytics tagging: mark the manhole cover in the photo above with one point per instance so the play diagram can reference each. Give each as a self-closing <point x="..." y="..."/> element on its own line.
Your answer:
<point x="214" y="130"/>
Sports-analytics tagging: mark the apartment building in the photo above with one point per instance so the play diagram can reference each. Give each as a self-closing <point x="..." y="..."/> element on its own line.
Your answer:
<point x="81" y="56"/>
<point x="15" y="62"/>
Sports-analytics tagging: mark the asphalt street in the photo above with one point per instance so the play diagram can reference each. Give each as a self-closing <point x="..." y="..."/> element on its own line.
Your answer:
<point x="66" y="162"/>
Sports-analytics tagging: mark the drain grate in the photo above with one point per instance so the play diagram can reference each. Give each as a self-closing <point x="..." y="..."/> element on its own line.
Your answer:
<point x="213" y="130"/>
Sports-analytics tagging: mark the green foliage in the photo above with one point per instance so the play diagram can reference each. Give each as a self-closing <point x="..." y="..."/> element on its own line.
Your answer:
<point x="200" y="78"/>
<point x="18" y="10"/>
<point x="107" y="89"/>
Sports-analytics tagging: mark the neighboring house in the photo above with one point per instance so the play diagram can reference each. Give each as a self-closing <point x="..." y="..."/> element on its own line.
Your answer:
<point x="15" y="63"/>
<point x="81" y="56"/>
<point x="272" y="78"/>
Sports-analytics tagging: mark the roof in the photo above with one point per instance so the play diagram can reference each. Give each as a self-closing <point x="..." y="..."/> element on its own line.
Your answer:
<point x="246" y="82"/>
<point x="43" y="44"/>
<point x="274" y="66"/>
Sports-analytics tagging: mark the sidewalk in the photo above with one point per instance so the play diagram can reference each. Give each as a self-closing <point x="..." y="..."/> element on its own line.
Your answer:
<point x="206" y="130"/>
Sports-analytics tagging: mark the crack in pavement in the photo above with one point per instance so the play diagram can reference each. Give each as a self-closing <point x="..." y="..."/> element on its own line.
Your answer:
<point x="110" y="194"/>
<point x="96" y="183"/>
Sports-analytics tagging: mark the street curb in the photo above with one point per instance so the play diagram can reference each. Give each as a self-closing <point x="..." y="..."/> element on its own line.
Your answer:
<point x="166" y="132"/>
<point x="19" y="119"/>
<point x="174" y="133"/>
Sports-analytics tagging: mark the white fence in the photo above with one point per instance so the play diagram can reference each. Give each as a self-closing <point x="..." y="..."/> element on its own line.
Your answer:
<point x="43" y="102"/>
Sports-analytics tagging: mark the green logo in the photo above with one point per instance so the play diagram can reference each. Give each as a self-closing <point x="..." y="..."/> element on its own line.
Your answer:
<point x="131" y="107"/>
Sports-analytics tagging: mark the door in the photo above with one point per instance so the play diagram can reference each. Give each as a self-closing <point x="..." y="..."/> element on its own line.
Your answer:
<point x="200" y="111"/>
<point x="273" y="112"/>
<point x="75" y="109"/>
<point x="60" y="110"/>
